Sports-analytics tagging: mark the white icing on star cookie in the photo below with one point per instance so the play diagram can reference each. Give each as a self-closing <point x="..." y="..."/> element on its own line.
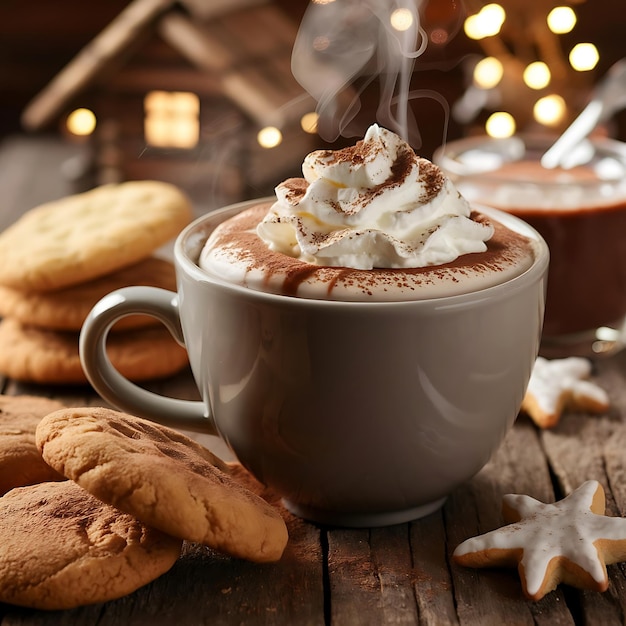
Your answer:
<point x="570" y="541"/>
<point x="559" y="385"/>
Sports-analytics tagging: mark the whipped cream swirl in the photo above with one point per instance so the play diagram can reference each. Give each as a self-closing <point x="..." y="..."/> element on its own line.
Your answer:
<point x="372" y="205"/>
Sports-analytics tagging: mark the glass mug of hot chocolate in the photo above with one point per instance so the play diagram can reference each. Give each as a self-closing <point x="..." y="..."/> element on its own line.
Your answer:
<point x="362" y="341"/>
<point x="581" y="213"/>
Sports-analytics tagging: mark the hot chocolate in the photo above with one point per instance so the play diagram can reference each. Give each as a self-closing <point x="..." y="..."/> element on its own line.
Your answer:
<point x="587" y="275"/>
<point x="373" y="222"/>
<point x="581" y="213"/>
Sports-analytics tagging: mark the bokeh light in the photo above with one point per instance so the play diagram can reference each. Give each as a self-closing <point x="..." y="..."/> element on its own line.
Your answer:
<point x="561" y="20"/>
<point x="550" y="110"/>
<point x="269" y="137"/>
<point x="308" y="122"/>
<point x="401" y="19"/>
<point x="471" y="26"/>
<point x="81" y="122"/>
<point x="486" y="23"/>
<point x="500" y="125"/>
<point x="488" y="72"/>
<point x="584" y="57"/>
<point x="537" y="75"/>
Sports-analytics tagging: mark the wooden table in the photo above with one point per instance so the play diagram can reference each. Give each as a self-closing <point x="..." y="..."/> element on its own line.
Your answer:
<point x="396" y="575"/>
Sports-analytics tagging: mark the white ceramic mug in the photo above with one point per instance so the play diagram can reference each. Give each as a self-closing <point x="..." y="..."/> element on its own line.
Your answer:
<point x="357" y="413"/>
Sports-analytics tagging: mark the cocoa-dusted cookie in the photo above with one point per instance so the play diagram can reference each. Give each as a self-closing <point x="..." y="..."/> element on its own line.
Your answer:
<point x="61" y="548"/>
<point x="20" y="460"/>
<point x="32" y="354"/>
<point x="569" y="541"/>
<point x="66" y="309"/>
<point x="81" y="237"/>
<point x="163" y="478"/>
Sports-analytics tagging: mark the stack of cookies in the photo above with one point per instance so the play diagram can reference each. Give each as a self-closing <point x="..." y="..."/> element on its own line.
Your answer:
<point x="97" y="503"/>
<point x="60" y="258"/>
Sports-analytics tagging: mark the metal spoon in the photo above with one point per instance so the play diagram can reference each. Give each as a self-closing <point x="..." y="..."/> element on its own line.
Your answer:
<point x="607" y="98"/>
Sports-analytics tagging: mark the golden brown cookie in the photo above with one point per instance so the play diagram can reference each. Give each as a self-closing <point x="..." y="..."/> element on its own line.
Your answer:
<point x="570" y="541"/>
<point x="66" y="309"/>
<point x="32" y="354"/>
<point x="61" y="548"/>
<point x="561" y="385"/>
<point x="163" y="478"/>
<point x="87" y="235"/>
<point x="20" y="461"/>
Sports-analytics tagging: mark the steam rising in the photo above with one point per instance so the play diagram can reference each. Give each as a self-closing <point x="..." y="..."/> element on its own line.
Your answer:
<point x="340" y="42"/>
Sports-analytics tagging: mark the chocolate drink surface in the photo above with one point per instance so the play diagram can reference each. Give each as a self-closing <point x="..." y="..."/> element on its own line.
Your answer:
<point x="373" y="222"/>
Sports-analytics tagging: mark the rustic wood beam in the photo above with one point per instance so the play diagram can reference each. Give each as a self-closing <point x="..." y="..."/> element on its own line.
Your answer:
<point x="208" y="53"/>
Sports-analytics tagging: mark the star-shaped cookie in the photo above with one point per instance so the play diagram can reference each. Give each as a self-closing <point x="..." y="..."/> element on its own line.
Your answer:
<point x="559" y="385"/>
<point x="570" y="541"/>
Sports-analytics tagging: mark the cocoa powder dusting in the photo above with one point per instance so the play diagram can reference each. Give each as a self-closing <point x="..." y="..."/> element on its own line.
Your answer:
<point x="399" y="171"/>
<point x="358" y="153"/>
<point x="431" y="177"/>
<point x="295" y="189"/>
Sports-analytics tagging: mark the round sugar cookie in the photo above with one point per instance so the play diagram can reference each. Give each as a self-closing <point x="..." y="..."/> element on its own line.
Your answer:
<point x="20" y="460"/>
<point x="30" y="354"/>
<point x="81" y="237"/>
<point x="61" y="548"/>
<point x="66" y="309"/>
<point x="163" y="478"/>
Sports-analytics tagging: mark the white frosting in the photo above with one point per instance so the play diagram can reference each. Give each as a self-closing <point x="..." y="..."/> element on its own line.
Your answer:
<point x="574" y="529"/>
<point x="375" y="205"/>
<point x="560" y="382"/>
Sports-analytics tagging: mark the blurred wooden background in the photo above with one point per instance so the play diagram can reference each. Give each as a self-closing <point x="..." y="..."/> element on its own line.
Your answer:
<point x="38" y="38"/>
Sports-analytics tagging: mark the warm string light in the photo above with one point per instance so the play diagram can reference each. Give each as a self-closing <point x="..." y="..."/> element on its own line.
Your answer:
<point x="500" y="125"/>
<point x="550" y="110"/>
<point x="584" y="57"/>
<point x="269" y="137"/>
<point x="81" y="122"/>
<point x="488" y="72"/>
<point x="561" y="20"/>
<point x="308" y="122"/>
<point x="486" y="23"/>
<point x="537" y="75"/>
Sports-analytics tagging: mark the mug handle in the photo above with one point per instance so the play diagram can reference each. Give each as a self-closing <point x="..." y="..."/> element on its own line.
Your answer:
<point x="117" y="389"/>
